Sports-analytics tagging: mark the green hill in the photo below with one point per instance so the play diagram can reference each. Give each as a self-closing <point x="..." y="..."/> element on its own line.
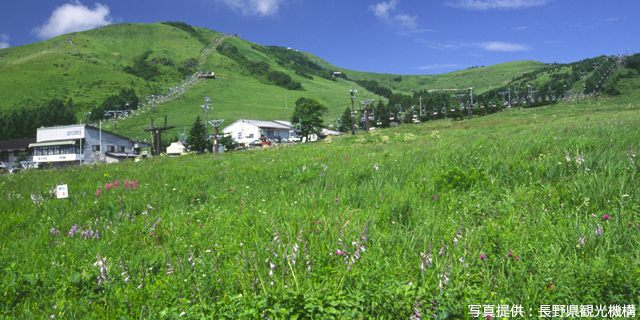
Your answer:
<point x="90" y="66"/>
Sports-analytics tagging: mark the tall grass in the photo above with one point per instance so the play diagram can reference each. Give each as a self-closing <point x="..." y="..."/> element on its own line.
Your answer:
<point x="507" y="209"/>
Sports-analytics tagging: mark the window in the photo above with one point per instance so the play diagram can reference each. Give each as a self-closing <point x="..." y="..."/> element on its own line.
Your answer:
<point x="95" y="148"/>
<point x="120" y="148"/>
<point x="250" y="135"/>
<point x="4" y="156"/>
<point x="111" y="148"/>
<point x="51" y="150"/>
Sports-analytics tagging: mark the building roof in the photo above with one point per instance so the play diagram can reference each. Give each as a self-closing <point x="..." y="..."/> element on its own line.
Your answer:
<point x="16" y="145"/>
<point x="275" y="124"/>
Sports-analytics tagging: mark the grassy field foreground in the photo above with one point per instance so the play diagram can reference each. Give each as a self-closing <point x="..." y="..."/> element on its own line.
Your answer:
<point x="519" y="209"/>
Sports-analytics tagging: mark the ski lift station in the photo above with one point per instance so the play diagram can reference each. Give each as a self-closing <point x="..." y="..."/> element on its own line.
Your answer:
<point x="245" y="131"/>
<point x="73" y="144"/>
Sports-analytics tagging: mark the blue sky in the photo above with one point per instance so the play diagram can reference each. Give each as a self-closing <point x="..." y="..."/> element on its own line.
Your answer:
<point x="392" y="36"/>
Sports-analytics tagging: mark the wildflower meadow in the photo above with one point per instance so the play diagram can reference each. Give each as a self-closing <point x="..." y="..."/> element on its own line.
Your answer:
<point x="520" y="210"/>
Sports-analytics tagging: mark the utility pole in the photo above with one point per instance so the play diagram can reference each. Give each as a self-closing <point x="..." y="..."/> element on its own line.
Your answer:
<point x="552" y="97"/>
<point x="216" y="124"/>
<point x="366" y="104"/>
<point x="515" y="88"/>
<point x="459" y="96"/>
<point x="206" y="108"/>
<point x="471" y="103"/>
<point x="353" y="118"/>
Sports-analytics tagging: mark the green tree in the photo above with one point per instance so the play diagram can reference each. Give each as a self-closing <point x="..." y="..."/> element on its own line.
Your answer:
<point x="382" y="113"/>
<point x="196" y="139"/>
<point x="309" y="113"/>
<point x="345" y="118"/>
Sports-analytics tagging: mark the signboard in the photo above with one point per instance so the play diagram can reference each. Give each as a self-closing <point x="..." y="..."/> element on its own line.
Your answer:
<point x="59" y="158"/>
<point x="60" y="133"/>
<point x="62" y="191"/>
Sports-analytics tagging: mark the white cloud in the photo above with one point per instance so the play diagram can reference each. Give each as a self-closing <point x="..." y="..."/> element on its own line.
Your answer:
<point x="489" y="46"/>
<point x="4" y="41"/>
<point x="381" y="10"/>
<point x="503" y="46"/>
<point x="483" y="5"/>
<point x="439" y="66"/>
<point x="414" y="31"/>
<point x="521" y="28"/>
<point x="72" y="17"/>
<point x="407" y="21"/>
<point x="437" y="45"/>
<point x="254" y="7"/>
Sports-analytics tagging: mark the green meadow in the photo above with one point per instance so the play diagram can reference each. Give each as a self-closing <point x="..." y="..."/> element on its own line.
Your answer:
<point x="504" y="215"/>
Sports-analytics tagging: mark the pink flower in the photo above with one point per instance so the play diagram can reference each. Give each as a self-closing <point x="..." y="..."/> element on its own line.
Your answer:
<point x="606" y="217"/>
<point x="482" y="256"/>
<point x="98" y="192"/>
<point x="517" y="258"/>
<point x="337" y="200"/>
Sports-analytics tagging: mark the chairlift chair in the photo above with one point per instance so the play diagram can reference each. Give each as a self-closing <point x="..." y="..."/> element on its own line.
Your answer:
<point x="435" y="111"/>
<point x="391" y="115"/>
<point x="423" y="112"/>
<point x="400" y="115"/>
<point x="539" y="99"/>
<point x="415" y="114"/>
<point x="444" y="110"/>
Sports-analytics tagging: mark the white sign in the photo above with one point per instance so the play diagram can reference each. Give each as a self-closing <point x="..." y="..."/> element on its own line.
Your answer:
<point x="62" y="192"/>
<point x="60" y="133"/>
<point x="59" y="158"/>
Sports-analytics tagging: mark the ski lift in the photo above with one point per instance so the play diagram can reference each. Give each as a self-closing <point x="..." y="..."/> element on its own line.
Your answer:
<point x="462" y="107"/>
<point x="372" y="116"/>
<point x="453" y="109"/>
<point x="539" y="99"/>
<point x="415" y="114"/>
<point x="547" y="98"/>
<point x="444" y="110"/>
<point x="423" y="111"/>
<point x="391" y="115"/>
<point x="339" y="122"/>
<point x="435" y="111"/>
<point x="330" y="122"/>
<point x="400" y="115"/>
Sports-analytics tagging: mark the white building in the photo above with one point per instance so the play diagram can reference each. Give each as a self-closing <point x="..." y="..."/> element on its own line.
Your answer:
<point x="245" y="131"/>
<point x="70" y="145"/>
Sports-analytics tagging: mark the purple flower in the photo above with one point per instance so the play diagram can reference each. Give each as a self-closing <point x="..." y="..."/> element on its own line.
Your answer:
<point x="482" y="256"/>
<point x="517" y="258"/>
<point x="337" y="200"/>
<point x="606" y="217"/>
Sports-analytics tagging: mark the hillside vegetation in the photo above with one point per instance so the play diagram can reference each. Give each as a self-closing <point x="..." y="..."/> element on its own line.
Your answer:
<point x="519" y="209"/>
<point x="91" y="66"/>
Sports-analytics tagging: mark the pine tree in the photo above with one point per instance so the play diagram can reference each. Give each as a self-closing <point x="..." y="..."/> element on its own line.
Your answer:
<point x="196" y="138"/>
<point x="345" y="118"/>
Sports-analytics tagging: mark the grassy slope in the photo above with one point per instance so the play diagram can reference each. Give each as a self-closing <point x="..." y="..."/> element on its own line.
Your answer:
<point x="495" y="75"/>
<point x="225" y="209"/>
<point x="90" y="69"/>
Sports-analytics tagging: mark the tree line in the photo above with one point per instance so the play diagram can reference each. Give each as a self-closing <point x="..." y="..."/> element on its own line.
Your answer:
<point x="23" y="123"/>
